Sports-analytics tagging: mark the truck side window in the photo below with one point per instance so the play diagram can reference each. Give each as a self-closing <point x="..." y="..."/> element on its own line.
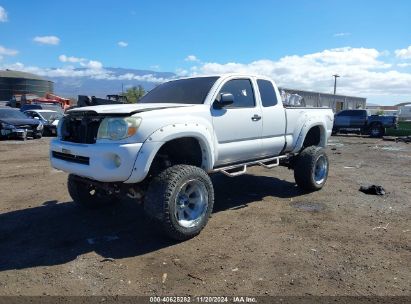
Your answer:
<point x="242" y="91"/>
<point x="267" y="93"/>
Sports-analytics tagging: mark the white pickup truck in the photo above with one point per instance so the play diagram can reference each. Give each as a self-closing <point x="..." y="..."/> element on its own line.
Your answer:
<point x="162" y="150"/>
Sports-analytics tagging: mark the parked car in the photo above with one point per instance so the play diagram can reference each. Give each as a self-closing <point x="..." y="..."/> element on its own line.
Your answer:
<point x="44" y="106"/>
<point x="360" y="121"/>
<point x="164" y="148"/>
<point x="14" y="124"/>
<point x="48" y="118"/>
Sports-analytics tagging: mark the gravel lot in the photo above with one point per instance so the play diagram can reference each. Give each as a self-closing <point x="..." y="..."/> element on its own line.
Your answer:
<point x="265" y="235"/>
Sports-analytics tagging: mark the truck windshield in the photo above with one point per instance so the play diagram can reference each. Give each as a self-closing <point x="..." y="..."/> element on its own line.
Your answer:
<point x="188" y="91"/>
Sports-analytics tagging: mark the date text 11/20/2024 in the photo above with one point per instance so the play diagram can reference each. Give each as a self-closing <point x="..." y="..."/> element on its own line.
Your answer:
<point x="203" y="299"/>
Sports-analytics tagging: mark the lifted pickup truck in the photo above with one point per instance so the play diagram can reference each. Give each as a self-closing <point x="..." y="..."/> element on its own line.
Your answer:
<point x="360" y="121"/>
<point x="162" y="150"/>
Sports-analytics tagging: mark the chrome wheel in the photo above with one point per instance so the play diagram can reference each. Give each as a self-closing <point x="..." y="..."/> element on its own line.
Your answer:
<point x="320" y="170"/>
<point x="191" y="203"/>
<point x="375" y="131"/>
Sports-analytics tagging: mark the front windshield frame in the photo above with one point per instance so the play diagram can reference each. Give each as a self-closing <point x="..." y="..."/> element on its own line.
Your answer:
<point x="181" y="91"/>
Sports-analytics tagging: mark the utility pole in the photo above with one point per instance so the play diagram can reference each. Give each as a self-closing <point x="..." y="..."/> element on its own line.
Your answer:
<point x="122" y="89"/>
<point x="335" y="82"/>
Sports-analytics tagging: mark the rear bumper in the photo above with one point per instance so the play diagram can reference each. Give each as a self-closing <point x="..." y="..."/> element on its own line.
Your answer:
<point x="105" y="162"/>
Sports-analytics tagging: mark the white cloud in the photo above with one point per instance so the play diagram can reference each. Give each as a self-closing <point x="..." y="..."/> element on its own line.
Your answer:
<point x="67" y="71"/>
<point x="145" y="78"/>
<point x="3" y="15"/>
<point x="7" y="52"/>
<point x="91" y="69"/>
<point x="403" y="53"/>
<point x="191" y="58"/>
<point x="49" y="40"/>
<point x="341" y="34"/>
<point x="362" y="72"/>
<point x="404" y="65"/>
<point x="122" y="44"/>
<point x="86" y="63"/>
<point x="72" y="59"/>
<point x="93" y="64"/>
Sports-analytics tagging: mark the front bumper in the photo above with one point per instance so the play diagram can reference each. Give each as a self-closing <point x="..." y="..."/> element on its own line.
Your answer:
<point x="20" y="133"/>
<point x="105" y="162"/>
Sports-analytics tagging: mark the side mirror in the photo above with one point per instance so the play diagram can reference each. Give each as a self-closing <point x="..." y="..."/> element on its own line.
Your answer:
<point x="224" y="99"/>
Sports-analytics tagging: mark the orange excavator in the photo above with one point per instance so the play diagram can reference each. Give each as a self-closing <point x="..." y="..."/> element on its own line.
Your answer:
<point x="26" y="99"/>
<point x="54" y="99"/>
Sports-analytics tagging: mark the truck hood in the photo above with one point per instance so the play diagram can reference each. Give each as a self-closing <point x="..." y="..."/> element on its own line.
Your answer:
<point x="118" y="109"/>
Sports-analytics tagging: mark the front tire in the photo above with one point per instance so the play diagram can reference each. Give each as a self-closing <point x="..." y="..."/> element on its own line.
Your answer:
<point x="180" y="199"/>
<point x="311" y="168"/>
<point x="87" y="195"/>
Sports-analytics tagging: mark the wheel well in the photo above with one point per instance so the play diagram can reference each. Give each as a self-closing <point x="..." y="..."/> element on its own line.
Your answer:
<point x="186" y="150"/>
<point x="376" y="123"/>
<point x="313" y="137"/>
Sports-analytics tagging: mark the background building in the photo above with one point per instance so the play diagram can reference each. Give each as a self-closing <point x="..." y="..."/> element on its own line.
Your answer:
<point x="402" y="110"/>
<point x="318" y="99"/>
<point x="18" y="83"/>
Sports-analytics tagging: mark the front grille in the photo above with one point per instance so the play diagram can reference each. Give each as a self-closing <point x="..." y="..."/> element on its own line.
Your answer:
<point x="71" y="158"/>
<point x="80" y="129"/>
<point x="28" y="127"/>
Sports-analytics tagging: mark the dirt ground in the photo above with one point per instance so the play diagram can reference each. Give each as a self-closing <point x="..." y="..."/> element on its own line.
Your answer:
<point x="265" y="237"/>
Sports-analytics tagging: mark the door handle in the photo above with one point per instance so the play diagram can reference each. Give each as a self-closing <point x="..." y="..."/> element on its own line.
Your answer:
<point x="256" y="117"/>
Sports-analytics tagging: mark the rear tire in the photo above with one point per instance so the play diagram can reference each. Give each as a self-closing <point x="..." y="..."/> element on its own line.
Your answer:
<point x="180" y="199"/>
<point x="86" y="195"/>
<point x="376" y="130"/>
<point x="311" y="168"/>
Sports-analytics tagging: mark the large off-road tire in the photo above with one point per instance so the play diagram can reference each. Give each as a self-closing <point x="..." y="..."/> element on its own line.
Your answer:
<point x="376" y="130"/>
<point x="87" y="195"/>
<point x="180" y="199"/>
<point x="311" y="168"/>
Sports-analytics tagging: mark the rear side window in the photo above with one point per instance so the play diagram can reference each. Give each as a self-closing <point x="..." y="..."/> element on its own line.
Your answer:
<point x="242" y="91"/>
<point x="355" y="113"/>
<point x="343" y="113"/>
<point x="267" y="92"/>
<point x="359" y="113"/>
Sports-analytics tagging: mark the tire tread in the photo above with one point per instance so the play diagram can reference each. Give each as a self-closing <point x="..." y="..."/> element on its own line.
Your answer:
<point x="304" y="165"/>
<point x="159" y="194"/>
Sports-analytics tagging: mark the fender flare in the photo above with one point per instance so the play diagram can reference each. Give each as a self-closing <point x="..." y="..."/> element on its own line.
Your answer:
<point x="161" y="136"/>
<point x="307" y="126"/>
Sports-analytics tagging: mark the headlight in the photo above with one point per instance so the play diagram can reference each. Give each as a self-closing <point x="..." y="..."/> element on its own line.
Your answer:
<point x="40" y="127"/>
<point x="118" y="128"/>
<point x="7" y="126"/>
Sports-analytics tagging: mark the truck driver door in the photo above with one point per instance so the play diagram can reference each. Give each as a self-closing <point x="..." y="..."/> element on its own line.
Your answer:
<point x="238" y="126"/>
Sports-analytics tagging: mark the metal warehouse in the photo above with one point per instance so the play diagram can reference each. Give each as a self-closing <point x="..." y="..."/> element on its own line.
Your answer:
<point x="318" y="99"/>
<point x="16" y="83"/>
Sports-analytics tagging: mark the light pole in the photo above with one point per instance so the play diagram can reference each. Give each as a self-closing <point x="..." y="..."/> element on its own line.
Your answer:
<point x="335" y="82"/>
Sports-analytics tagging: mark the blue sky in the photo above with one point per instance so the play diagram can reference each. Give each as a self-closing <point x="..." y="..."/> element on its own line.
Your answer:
<point x="190" y="37"/>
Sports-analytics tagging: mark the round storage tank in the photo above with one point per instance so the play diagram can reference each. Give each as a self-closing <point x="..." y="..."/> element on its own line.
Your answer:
<point x="18" y="83"/>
